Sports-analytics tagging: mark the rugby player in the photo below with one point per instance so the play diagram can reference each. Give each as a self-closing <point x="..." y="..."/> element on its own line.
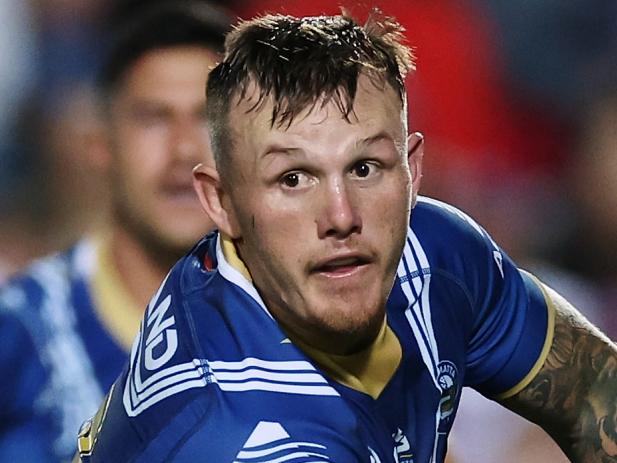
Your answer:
<point x="336" y="314"/>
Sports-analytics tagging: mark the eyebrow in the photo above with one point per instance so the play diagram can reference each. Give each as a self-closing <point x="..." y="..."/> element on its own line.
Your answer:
<point x="280" y="149"/>
<point x="374" y="139"/>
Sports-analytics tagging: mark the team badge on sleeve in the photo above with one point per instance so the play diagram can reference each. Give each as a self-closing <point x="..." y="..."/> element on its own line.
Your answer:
<point x="448" y="382"/>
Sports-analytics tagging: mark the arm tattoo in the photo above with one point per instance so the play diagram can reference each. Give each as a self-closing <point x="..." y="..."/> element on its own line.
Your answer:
<point x="574" y="396"/>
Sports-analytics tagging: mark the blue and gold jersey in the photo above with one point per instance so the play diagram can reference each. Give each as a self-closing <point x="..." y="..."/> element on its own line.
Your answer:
<point x="213" y="378"/>
<point x="60" y="353"/>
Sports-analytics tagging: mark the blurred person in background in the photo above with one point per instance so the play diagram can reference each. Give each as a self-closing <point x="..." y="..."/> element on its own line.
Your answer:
<point x="50" y="50"/>
<point x="68" y="321"/>
<point x="17" y="76"/>
<point x="55" y="191"/>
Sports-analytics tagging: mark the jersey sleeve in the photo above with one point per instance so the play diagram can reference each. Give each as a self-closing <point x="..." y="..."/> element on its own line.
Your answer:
<point x="512" y="320"/>
<point x="511" y="339"/>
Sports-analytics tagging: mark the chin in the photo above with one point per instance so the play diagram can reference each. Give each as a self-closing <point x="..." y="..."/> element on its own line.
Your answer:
<point x="184" y="237"/>
<point x="362" y="323"/>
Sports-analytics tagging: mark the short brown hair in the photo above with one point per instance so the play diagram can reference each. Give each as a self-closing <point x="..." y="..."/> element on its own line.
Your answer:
<point x="300" y="61"/>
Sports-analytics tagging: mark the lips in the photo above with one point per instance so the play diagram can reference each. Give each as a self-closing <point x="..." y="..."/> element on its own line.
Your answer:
<point x="342" y="264"/>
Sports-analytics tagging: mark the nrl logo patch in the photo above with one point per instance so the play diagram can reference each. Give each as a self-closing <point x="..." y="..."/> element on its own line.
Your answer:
<point x="448" y="382"/>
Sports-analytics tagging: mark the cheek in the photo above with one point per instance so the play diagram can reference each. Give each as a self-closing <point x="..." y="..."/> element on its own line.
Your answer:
<point x="392" y="203"/>
<point x="136" y="179"/>
<point x="276" y="239"/>
<point x="144" y="144"/>
<point x="284" y="219"/>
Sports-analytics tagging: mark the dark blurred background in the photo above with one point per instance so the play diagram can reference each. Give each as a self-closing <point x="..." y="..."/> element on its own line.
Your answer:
<point x="517" y="100"/>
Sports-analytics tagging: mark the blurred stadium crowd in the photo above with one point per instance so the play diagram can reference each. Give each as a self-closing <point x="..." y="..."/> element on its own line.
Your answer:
<point x="517" y="101"/>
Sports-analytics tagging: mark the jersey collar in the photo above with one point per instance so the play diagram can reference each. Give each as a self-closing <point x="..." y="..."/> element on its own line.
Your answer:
<point x="114" y="306"/>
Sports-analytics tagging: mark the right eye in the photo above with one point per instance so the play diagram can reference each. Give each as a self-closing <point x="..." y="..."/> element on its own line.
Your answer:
<point x="294" y="179"/>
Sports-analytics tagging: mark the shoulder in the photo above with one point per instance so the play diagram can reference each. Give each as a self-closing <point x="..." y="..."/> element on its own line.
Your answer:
<point x="193" y="372"/>
<point x="43" y="356"/>
<point x="165" y="357"/>
<point x="163" y="370"/>
<point x="455" y="251"/>
<point x="42" y="297"/>
<point x="443" y="228"/>
<point x="454" y="243"/>
<point x="47" y="278"/>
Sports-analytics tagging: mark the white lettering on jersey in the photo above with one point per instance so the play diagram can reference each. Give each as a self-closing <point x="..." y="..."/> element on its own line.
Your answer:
<point x="270" y="438"/>
<point x="160" y="329"/>
<point x="154" y="376"/>
<point x="166" y="380"/>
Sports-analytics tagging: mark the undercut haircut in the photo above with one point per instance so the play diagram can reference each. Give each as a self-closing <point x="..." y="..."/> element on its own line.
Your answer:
<point x="298" y="63"/>
<point x="157" y="25"/>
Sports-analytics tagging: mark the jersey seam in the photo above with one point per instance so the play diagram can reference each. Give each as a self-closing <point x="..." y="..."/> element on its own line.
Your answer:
<point x="457" y="281"/>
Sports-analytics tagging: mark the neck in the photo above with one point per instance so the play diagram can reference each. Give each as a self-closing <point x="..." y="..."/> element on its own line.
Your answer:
<point x="140" y="271"/>
<point x="339" y="343"/>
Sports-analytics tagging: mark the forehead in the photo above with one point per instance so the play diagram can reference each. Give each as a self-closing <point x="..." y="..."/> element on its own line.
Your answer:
<point x="174" y="68"/>
<point x="376" y="110"/>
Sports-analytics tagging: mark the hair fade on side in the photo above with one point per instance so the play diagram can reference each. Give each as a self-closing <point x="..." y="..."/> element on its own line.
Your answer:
<point x="297" y="63"/>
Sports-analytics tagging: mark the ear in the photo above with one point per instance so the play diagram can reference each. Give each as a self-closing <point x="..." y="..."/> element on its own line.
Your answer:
<point x="415" y="154"/>
<point x="214" y="200"/>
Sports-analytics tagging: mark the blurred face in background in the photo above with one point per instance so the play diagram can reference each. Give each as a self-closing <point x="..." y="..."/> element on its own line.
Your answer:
<point x="156" y="135"/>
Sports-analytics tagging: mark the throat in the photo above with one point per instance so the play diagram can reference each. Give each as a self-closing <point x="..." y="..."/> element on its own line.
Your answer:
<point x="368" y="370"/>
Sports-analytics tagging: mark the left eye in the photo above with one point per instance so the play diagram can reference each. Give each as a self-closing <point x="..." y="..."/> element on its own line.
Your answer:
<point x="362" y="169"/>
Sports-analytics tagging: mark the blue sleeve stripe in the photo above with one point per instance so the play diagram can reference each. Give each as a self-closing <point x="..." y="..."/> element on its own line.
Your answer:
<point x="549" y="322"/>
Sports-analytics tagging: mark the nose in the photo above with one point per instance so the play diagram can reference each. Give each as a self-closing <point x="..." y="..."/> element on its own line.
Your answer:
<point x="188" y="140"/>
<point x="340" y="216"/>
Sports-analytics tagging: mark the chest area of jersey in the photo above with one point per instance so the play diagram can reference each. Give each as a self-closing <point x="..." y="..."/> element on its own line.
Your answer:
<point x="409" y="422"/>
<point x="264" y="401"/>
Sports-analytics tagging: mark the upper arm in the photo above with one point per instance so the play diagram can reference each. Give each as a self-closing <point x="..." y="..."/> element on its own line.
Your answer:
<point x="573" y="395"/>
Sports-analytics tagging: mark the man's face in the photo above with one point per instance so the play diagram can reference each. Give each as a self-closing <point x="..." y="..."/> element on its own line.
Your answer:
<point x="320" y="212"/>
<point x="156" y="135"/>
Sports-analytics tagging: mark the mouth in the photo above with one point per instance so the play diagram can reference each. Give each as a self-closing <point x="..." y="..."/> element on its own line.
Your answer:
<point x="341" y="266"/>
<point x="180" y="192"/>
